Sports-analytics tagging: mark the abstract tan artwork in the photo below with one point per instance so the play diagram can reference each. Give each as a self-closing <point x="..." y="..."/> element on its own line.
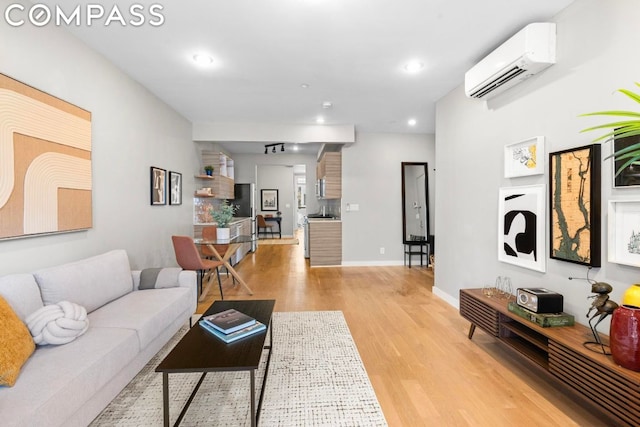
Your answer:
<point x="45" y="163"/>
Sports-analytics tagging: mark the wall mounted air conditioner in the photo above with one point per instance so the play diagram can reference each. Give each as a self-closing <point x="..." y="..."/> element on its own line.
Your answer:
<point x="528" y="52"/>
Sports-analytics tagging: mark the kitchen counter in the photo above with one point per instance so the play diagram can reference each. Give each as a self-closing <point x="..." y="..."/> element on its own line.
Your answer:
<point x="234" y="220"/>
<point x="325" y="241"/>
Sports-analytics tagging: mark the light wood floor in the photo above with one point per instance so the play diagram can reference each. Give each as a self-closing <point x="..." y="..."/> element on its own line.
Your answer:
<point x="424" y="370"/>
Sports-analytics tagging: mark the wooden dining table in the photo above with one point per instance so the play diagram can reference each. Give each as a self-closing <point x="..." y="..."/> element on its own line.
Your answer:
<point x="232" y="246"/>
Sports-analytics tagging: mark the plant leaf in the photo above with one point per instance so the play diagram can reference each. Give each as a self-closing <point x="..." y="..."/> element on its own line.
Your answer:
<point x="612" y="113"/>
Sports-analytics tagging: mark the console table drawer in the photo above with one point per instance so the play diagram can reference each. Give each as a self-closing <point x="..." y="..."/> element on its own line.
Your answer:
<point x="479" y="314"/>
<point x="605" y="387"/>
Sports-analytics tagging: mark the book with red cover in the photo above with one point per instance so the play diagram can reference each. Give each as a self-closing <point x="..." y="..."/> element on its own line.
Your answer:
<point x="229" y="321"/>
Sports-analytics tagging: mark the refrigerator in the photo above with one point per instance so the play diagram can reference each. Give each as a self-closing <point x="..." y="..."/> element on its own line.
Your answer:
<point x="245" y="200"/>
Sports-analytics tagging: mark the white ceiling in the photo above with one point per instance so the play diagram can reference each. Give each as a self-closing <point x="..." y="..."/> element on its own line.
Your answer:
<point x="349" y="52"/>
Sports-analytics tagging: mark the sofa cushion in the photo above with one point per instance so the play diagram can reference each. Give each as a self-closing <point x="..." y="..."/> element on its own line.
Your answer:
<point x="148" y="312"/>
<point x="57" y="380"/>
<point x="90" y="282"/>
<point x="22" y="293"/>
<point x="16" y="344"/>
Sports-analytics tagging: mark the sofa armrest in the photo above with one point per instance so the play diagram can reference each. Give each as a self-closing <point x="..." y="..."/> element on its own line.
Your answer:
<point x="168" y="277"/>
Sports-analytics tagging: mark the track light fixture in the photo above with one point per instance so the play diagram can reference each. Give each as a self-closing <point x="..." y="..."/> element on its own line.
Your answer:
<point x="273" y="147"/>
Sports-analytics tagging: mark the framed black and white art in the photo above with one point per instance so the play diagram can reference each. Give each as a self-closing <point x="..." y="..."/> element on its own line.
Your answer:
<point x="624" y="232"/>
<point x="175" y="188"/>
<point x="158" y="186"/>
<point x="521" y="227"/>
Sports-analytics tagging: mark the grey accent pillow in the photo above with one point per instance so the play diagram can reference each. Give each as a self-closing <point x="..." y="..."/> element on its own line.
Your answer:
<point x="157" y="278"/>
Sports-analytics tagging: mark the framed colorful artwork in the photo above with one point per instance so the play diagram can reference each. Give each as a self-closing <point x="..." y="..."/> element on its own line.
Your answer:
<point x="624" y="232"/>
<point x="158" y="186"/>
<point x="45" y="178"/>
<point x="524" y="158"/>
<point x="521" y="227"/>
<point x="574" y="203"/>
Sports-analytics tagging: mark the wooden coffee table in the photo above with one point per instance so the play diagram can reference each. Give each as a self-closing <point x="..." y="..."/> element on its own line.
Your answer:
<point x="200" y="351"/>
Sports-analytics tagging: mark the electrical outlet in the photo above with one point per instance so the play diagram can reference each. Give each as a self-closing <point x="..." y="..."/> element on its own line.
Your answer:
<point x="381" y="251"/>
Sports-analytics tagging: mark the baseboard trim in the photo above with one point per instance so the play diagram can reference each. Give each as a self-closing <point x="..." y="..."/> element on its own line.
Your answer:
<point x="446" y="297"/>
<point x="370" y="263"/>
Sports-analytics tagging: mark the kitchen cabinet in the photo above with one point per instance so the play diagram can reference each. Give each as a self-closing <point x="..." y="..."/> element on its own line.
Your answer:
<point x="325" y="242"/>
<point x="221" y="181"/>
<point x="329" y="170"/>
<point x="210" y="189"/>
<point x="221" y="187"/>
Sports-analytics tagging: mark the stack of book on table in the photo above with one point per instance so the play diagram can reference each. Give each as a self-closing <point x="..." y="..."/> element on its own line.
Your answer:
<point x="231" y="325"/>
<point x="546" y="320"/>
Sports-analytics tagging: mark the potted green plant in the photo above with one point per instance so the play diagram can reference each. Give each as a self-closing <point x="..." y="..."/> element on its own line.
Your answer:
<point x="222" y="216"/>
<point x="621" y="129"/>
<point x="208" y="170"/>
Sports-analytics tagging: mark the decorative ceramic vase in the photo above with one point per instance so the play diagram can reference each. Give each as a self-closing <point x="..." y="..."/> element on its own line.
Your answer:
<point x="625" y="337"/>
<point x="208" y="172"/>
<point x="223" y="233"/>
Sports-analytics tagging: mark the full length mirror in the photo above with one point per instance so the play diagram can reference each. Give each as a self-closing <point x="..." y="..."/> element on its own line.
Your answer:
<point x="415" y="202"/>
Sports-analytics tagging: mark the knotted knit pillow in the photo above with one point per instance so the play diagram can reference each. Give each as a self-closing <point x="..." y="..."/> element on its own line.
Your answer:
<point x="58" y="323"/>
<point x="16" y="344"/>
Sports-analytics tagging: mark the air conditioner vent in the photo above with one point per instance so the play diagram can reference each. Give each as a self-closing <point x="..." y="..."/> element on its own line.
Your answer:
<point x="499" y="81"/>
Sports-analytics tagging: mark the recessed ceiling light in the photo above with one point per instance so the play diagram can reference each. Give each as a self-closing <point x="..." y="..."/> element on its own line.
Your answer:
<point x="304" y="86"/>
<point x="413" y="66"/>
<point x="320" y="120"/>
<point x="412" y="122"/>
<point x="326" y="105"/>
<point x="202" y="59"/>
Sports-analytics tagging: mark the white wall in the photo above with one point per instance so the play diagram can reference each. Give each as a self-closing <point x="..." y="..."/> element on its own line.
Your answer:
<point x="131" y="131"/>
<point x="596" y="56"/>
<point x="371" y="178"/>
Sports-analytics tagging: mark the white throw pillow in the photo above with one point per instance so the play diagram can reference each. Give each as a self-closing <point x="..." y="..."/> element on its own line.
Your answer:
<point x="58" y="323"/>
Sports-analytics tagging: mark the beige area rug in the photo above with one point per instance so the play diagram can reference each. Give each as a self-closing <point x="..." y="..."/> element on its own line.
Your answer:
<point x="284" y="241"/>
<point x="315" y="378"/>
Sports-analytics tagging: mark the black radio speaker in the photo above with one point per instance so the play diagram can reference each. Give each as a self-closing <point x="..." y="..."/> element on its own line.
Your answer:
<point x="539" y="300"/>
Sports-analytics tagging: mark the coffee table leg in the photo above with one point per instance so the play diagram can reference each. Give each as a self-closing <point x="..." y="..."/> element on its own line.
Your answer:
<point x="165" y="397"/>
<point x="254" y="415"/>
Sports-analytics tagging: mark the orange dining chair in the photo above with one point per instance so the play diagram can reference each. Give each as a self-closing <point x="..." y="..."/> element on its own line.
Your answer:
<point x="262" y="223"/>
<point x="188" y="258"/>
<point x="210" y="233"/>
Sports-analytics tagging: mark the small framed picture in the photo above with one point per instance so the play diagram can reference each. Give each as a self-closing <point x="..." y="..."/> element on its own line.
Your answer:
<point x="624" y="232"/>
<point x="269" y="200"/>
<point x="158" y="186"/>
<point x="175" y="188"/>
<point x="524" y="158"/>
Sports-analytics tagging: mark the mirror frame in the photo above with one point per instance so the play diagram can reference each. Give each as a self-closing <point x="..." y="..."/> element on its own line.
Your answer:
<point x="426" y="194"/>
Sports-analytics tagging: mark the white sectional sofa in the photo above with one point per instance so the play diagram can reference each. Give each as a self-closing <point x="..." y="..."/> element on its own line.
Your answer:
<point x="68" y="385"/>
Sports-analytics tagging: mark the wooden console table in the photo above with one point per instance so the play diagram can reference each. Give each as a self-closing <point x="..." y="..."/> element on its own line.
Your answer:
<point x="560" y="352"/>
